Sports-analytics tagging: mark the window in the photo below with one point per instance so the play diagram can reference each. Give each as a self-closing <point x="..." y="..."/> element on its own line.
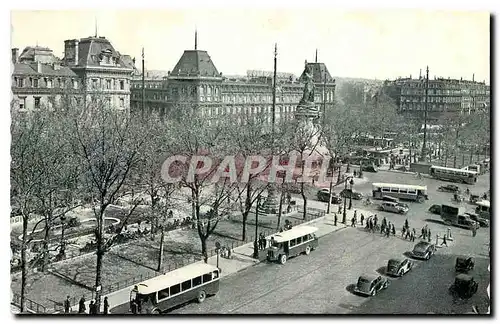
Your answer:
<point x="122" y="102"/>
<point x="163" y="293"/>
<point x="215" y="275"/>
<point x="386" y="189"/>
<point x="305" y="238"/>
<point x="196" y="281"/>
<point x="186" y="285"/>
<point x="22" y="102"/>
<point x="122" y="85"/>
<point x="207" y="277"/>
<point x="20" y="82"/>
<point x="48" y="82"/>
<point x="75" y="84"/>
<point x="299" y="240"/>
<point x="403" y="191"/>
<point x="174" y="290"/>
<point x="292" y="242"/>
<point x="394" y="190"/>
<point x="94" y="83"/>
<point x="108" y="84"/>
<point x="37" y="102"/>
<point x="35" y="83"/>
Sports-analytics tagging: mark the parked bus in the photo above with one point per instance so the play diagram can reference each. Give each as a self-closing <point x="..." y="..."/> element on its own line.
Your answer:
<point x="195" y="281"/>
<point x="451" y="174"/>
<point x="401" y="191"/>
<point x="483" y="208"/>
<point x="291" y="243"/>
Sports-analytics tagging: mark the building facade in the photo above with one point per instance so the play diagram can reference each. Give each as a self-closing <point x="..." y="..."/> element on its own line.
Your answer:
<point x="91" y="68"/>
<point x="195" y="83"/>
<point x="446" y="97"/>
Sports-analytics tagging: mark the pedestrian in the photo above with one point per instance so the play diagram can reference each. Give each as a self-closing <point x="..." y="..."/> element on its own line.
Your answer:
<point x="353" y="222"/>
<point x="92" y="310"/>
<point x="67" y="305"/>
<point x="413" y="234"/>
<point x="340" y="209"/>
<point x="362" y="219"/>
<point x="335" y="219"/>
<point x="106" y="305"/>
<point x="407" y="233"/>
<point x="387" y="231"/>
<point x="133" y="307"/>
<point x="406" y="224"/>
<point x="375" y="220"/>
<point x="429" y="235"/>
<point x="382" y="228"/>
<point x="393" y="229"/>
<point x="423" y="233"/>
<point x="371" y="226"/>
<point x="474" y="231"/>
<point x="81" y="306"/>
<point x="356" y="214"/>
<point x="288" y="197"/>
<point x="444" y="240"/>
<point x="403" y="232"/>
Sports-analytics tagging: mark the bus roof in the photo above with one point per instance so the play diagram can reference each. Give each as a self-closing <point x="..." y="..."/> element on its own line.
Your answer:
<point x="485" y="203"/>
<point x="294" y="233"/>
<point x="174" y="277"/>
<point x="395" y="185"/>
<point x="452" y="169"/>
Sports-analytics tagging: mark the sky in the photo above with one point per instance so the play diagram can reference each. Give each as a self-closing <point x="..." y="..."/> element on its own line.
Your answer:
<point x="379" y="43"/>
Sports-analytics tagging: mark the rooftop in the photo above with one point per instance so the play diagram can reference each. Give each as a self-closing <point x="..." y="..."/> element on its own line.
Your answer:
<point x="91" y="50"/>
<point x="195" y="63"/>
<point x="46" y="69"/>
<point x="319" y="71"/>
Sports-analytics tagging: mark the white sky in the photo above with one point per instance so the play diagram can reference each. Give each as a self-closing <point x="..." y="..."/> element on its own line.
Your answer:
<point x="379" y="43"/>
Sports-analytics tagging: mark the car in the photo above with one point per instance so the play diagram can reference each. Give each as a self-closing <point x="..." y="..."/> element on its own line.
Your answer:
<point x="483" y="222"/>
<point x="369" y="168"/>
<point x="393" y="207"/>
<point x="464" y="263"/>
<point x="423" y="250"/>
<point x="464" y="286"/>
<point x="348" y="193"/>
<point x="323" y="196"/>
<point x="369" y="285"/>
<point x="399" y="267"/>
<point x="449" y="188"/>
<point x="435" y="209"/>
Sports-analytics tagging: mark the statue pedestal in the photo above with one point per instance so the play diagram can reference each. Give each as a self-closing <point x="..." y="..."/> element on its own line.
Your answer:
<point x="271" y="204"/>
<point x="307" y="110"/>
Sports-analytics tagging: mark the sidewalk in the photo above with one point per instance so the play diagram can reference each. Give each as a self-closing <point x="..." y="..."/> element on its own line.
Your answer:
<point x="242" y="255"/>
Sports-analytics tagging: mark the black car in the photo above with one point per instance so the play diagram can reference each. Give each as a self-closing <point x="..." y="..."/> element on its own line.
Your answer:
<point x="369" y="285"/>
<point x="483" y="222"/>
<point x="323" y="196"/>
<point x="449" y="188"/>
<point x="464" y="264"/>
<point x="435" y="209"/>
<point x="348" y="193"/>
<point x="464" y="286"/>
<point x="423" y="250"/>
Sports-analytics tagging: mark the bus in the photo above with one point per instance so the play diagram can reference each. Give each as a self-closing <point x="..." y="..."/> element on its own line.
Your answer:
<point x="401" y="191"/>
<point x="291" y="243"/>
<point x="193" y="282"/>
<point x="451" y="174"/>
<point x="483" y="208"/>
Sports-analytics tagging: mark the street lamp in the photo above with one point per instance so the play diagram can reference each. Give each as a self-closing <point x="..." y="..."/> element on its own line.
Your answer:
<point x="255" y="243"/>
<point x="345" y="202"/>
<point x="350" y="196"/>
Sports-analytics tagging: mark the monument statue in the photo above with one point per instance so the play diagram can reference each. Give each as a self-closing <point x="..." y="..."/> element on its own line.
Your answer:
<point x="308" y="96"/>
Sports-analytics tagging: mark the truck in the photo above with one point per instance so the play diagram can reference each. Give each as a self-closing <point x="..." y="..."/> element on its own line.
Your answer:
<point x="456" y="216"/>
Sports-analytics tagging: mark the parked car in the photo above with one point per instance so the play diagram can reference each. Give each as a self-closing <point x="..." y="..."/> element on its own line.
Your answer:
<point x="435" y="209"/>
<point x="323" y="196"/>
<point x="483" y="222"/>
<point x="464" y="286"/>
<point x="369" y="285"/>
<point x="348" y="193"/>
<point x="423" y="250"/>
<point x="399" y="267"/>
<point x="369" y="168"/>
<point x="449" y="188"/>
<point x="464" y="263"/>
<point x="474" y="198"/>
<point x="393" y="207"/>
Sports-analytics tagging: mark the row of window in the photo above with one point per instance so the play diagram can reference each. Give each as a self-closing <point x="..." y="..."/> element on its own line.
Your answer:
<point x="246" y="110"/>
<point x="300" y="240"/>
<point x="465" y="174"/>
<point x="108" y="84"/>
<point x="397" y="190"/>
<point x="33" y="82"/>
<point x="186" y="285"/>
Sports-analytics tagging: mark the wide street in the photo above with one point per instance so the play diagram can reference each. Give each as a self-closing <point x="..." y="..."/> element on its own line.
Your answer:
<point x="322" y="282"/>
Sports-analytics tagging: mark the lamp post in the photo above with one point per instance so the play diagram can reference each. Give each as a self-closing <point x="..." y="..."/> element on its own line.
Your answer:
<point x="255" y="243"/>
<point x="345" y="203"/>
<point x="350" y="197"/>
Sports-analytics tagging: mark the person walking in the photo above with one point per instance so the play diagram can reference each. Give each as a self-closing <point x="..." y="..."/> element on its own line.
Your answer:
<point x="406" y="224"/>
<point x="407" y="235"/>
<point x="428" y="234"/>
<point x="393" y="230"/>
<point x="375" y="220"/>
<point x="387" y="231"/>
<point x="412" y="235"/>
<point x="67" y="305"/>
<point x="362" y="219"/>
<point x="422" y="233"/>
<point x="353" y="222"/>
<point x="474" y="231"/>
<point x="81" y="306"/>
<point x="444" y="241"/>
<point x="382" y="228"/>
<point x="335" y="219"/>
<point x="92" y="308"/>
<point x="403" y="232"/>
<point x="106" y="305"/>
<point x="133" y="307"/>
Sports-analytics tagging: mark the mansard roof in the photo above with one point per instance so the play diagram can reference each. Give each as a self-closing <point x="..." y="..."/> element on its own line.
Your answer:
<point x="91" y="48"/>
<point x="30" y="69"/>
<point x="195" y="63"/>
<point x="318" y="71"/>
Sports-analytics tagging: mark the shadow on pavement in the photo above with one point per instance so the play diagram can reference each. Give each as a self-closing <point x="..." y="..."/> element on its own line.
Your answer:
<point x="382" y="270"/>
<point x="350" y="288"/>
<point x="408" y="254"/>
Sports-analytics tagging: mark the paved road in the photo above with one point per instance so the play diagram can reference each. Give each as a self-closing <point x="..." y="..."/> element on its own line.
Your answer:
<point x="322" y="282"/>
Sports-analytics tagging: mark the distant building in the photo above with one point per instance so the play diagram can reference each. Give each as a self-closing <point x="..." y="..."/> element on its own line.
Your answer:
<point x="91" y="66"/>
<point x="195" y="83"/>
<point x="447" y="97"/>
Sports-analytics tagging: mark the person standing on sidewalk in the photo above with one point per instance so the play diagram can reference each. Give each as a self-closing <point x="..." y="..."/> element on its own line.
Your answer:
<point x="92" y="308"/>
<point x="335" y="219"/>
<point x="353" y="221"/>
<point x="362" y="219"/>
<point x="403" y="232"/>
<point x="81" y="306"/>
<point x="444" y="241"/>
<point x="106" y="305"/>
<point x="428" y="234"/>
<point x="474" y="231"/>
<point x="67" y="305"/>
<point x="393" y="230"/>
<point x="412" y="235"/>
<point x="406" y="224"/>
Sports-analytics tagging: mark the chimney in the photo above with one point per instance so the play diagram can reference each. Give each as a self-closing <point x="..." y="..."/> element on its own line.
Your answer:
<point x="39" y="67"/>
<point x="15" y="55"/>
<point x="71" y="52"/>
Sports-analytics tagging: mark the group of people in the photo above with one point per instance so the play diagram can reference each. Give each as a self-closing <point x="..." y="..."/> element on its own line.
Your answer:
<point x="82" y="308"/>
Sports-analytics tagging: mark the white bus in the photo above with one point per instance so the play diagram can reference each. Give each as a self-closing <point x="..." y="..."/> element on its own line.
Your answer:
<point x="406" y="192"/>
<point x="291" y="243"/>
<point x="483" y="208"/>
<point x="159" y="294"/>
<point x="451" y="174"/>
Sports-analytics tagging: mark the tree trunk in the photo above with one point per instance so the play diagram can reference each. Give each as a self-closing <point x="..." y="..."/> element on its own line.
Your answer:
<point x="24" y="266"/>
<point x="46" y="239"/>
<point x="100" y="255"/>
<point x="280" y="209"/>
<point x="160" y="254"/>
<point x="248" y="206"/>
<point x="302" y="193"/>
<point x="454" y="159"/>
<point x="204" y="251"/>
<point x="470" y="157"/>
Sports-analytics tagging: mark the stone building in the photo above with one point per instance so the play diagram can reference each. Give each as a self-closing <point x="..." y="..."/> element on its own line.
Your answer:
<point x="447" y="97"/>
<point x="90" y="68"/>
<point x="195" y="83"/>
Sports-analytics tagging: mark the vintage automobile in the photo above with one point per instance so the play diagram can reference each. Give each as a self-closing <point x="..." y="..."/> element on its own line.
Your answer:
<point x="464" y="263"/>
<point x="435" y="209"/>
<point x="483" y="222"/>
<point x="423" y="250"/>
<point x="369" y="168"/>
<point x="399" y="267"/>
<point x="449" y="188"/>
<point x="323" y="196"/>
<point x="348" y="193"/>
<point x="464" y="286"/>
<point x="474" y="198"/>
<point x="369" y="285"/>
<point x="394" y="207"/>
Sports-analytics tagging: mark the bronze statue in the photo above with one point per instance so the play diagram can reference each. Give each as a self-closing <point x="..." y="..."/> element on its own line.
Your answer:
<point x="308" y="96"/>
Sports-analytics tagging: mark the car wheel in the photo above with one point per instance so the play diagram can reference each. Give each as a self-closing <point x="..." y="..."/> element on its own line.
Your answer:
<point x="374" y="292"/>
<point x="283" y="259"/>
<point x="308" y="250"/>
<point x="201" y="296"/>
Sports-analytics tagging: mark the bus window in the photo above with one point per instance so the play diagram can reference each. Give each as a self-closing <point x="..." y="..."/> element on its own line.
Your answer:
<point x="403" y="190"/>
<point x="207" y="277"/>
<point x="386" y="190"/>
<point x="299" y="240"/>
<point x="292" y="242"/>
<point x="196" y="281"/>
<point x="186" y="285"/>
<point x="305" y="238"/>
<point x="412" y="191"/>
<point x="216" y="275"/>
<point x="174" y="290"/>
<point x="162" y="294"/>
<point x="394" y="190"/>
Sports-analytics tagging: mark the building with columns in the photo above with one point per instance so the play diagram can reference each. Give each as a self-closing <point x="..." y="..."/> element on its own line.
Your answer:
<point x="195" y="83"/>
